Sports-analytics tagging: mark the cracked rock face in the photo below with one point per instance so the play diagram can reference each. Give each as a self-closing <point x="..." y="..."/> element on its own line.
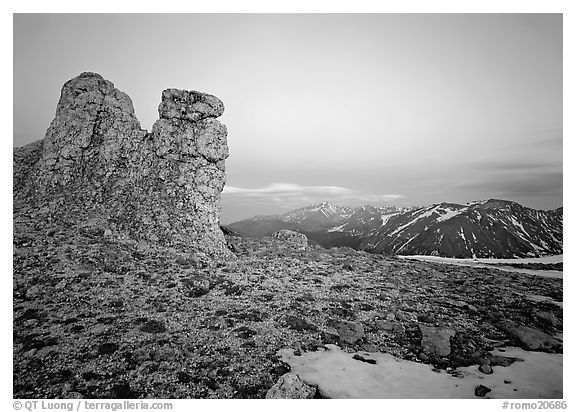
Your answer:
<point x="96" y="160"/>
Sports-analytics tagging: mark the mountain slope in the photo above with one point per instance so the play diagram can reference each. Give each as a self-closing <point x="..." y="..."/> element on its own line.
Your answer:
<point x="261" y="226"/>
<point x="310" y="219"/>
<point x="491" y="228"/>
<point x="317" y="217"/>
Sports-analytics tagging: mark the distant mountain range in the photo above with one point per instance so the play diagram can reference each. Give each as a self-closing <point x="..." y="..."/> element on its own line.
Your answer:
<point x="481" y="229"/>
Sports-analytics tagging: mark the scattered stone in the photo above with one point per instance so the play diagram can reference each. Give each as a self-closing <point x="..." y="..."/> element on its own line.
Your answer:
<point x="233" y="290"/>
<point x="107" y="348"/>
<point x="485" y="368"/>
<point x="153" y="326"/>
<point x="254" y="278"/>
<point x="472" y="308"/>
<point x="503" y="361"/>
<point x="33" y="292"/>
<point x="290" y="386"/>
<point x="184" y="377"/>
<point x="546" y="319"/>
<point x="365" y="306"/>
<point x="30" y="353"/>
<point x="401" y="316"/>
<point x="123" y="391"/>
<point x="196" y="286"/>
<point x="436" y="341"/>
<point x="349" y="332"/>
<point x="481" y="391"/>
<point x="457" y="303"/>
<point x="531" y="339"/>
<point x="61" y="284"/>
<point x="348" y="267"/>
<point x="183" y="262"/>
<point x="423" y="317"/>
<point x="298" y="323"/>
<point x="363" y="359"/>
<point x="384" y="325"/>
<point x="244" y="332"/>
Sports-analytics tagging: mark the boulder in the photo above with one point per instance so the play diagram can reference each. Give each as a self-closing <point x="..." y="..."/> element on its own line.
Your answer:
<point x="291" y="237"/>
<point x="481" y="391"/>
<point x="529" y="338"/>
<point x="290" y="386"/>
<point x="349" y="332"/>
<point x="436" y="341"/>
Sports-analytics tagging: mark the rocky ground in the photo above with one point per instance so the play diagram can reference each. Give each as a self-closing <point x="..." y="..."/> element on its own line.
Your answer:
<point x="99" y="317"/>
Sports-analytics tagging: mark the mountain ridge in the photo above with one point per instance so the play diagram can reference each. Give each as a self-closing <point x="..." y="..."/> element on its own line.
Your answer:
<point x="483" y="228"/>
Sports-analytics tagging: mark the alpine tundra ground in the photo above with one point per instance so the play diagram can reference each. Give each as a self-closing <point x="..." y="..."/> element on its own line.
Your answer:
<point x="99" y="317"/>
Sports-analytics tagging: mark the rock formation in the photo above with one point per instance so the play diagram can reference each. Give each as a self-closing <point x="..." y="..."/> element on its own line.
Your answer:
<point x="96" y="161"/>
<point x="291" y="237"/>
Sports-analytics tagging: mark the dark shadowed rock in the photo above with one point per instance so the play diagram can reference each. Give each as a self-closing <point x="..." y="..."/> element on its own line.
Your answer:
<point x="363" y="359"/>
<point x="481" y="391"/>
<point x="546" y="319"/>
<point x="349" y="332"/>
<point x="299" y="323"/>
<point x="96" y="160"/>
<point x="529" y="338"/>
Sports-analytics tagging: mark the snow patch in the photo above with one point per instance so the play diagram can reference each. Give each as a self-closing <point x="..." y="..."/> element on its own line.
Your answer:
<point x="386" y="218"/>
<point x="338" y="375"/>
<point x="449" y="214"/>
<point x="492" y="263"/>
<point x="461" y="234"/>
<point x="422" y="215"/>
<point x="408" y="241"/>
<point x="337" y="228"/>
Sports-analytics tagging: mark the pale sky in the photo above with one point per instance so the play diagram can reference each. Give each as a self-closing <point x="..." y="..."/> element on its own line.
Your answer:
<point x="351" y="108"/>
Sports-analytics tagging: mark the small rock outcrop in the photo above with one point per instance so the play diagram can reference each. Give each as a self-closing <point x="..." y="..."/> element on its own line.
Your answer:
<point x="291" y="237"/>
<point x="290" y="386"/>
<point x="96" y="160"/>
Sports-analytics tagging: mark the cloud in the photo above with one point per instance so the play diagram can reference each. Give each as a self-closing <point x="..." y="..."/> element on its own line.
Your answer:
<point x="522" y="185"/>
<point x="516" y="166"/>
<point x="284" y="188"/>
<point x="290" y="195"/>
<point x="378" y="198"/>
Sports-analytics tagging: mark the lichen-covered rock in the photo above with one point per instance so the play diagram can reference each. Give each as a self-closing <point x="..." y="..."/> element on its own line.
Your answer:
<point x="349" y="332"/>
<point x="95" y="160"/>
<point x="290" y="386"/>
<point x="529" y="338"/>
<point x="291" y="237"/>
<point x="436" y="341"/>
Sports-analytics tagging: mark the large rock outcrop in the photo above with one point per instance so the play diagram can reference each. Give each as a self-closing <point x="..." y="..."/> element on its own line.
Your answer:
<point x="96" y="161"/>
